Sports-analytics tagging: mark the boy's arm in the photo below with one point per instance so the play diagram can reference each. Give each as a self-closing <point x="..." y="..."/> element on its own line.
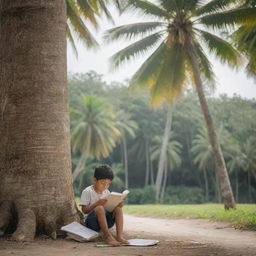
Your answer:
<point x="87" y="208"/>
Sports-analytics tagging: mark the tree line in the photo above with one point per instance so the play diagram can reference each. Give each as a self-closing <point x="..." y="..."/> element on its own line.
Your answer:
<point x="135" y="137"/>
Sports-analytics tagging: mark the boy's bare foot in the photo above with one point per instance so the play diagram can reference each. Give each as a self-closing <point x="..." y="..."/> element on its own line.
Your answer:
<point x="111" y="240"/>
<point x="122" y="240"/>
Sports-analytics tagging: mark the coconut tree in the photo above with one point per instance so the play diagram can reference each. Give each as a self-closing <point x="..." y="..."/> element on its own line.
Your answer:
<point x="203" y="158"/>
<point x="36" y="192"/>
<point x="95" y="132"/>
<point x="172" y="159"/>
<point x="127" y="127"/>
<point x="178" y="30"/>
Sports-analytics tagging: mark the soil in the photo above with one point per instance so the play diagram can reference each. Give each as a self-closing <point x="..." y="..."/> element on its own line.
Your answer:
<point x="179" y="237"/>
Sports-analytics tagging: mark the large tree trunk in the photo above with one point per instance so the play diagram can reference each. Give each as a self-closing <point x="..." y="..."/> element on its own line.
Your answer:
<point x="35" y="164"/>
<point x="162" y="158"/>
<point x="226" y="191"/>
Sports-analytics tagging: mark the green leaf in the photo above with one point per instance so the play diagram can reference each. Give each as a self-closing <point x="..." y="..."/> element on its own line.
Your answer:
<point x="221" y="48"/>
<point x="230" y="18"/>
<point x="129" y="31"/>
<point x="146" y="7"/>
<point x="146" y="74"/>
<point x="213" y="6"/>
<point x="79" y="26"/>
<point x="135" y="49"/>
<point x="171" y="77"/>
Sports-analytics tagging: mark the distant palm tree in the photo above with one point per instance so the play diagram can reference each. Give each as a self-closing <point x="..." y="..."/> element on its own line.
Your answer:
<point x="94" y="132"/>
<point x="172" y="159"/>
<point x="127" y="127"/>
<point x="235" y="163"/>
<point x="203" y="158"/>
<point x="178" y="32"/>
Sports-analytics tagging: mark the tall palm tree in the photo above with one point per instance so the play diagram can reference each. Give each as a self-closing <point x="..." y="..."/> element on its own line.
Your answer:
<point x="172" y="159"/>
<point x="178" y="30"/>
<point x="94" y="132"/>
<point x="127" y="127"/>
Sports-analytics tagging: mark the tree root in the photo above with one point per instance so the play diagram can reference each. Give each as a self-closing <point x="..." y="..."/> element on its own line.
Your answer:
<point x="26" y="227"/>
<point x="5" y="216"/>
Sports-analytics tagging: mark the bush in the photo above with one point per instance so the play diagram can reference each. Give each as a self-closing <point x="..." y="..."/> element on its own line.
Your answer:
<point x="183" y="195"/>
<point x="144" y="195"/>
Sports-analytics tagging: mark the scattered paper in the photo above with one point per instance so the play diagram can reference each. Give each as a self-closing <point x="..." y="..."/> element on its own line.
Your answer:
<point x="79" y="231"/>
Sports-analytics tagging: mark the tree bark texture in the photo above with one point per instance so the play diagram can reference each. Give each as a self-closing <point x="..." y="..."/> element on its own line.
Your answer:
<point x="36" y="193"/>
<point x="226" y="191"/>
<point x="162" y="158"/>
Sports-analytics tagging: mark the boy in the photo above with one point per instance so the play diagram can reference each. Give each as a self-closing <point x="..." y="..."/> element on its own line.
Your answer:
<point x="92" y="202"/>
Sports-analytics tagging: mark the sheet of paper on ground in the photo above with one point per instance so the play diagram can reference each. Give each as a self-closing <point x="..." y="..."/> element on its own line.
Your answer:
<point x="133" y="242"/>
<point x="79" y="232"/>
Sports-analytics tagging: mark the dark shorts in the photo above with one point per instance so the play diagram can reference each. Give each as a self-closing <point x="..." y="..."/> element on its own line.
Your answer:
<point x="92" y="222"/>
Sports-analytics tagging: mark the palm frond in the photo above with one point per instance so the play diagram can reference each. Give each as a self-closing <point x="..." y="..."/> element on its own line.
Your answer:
<point x="214" y="5"/>
<point x="146" y="74"/>
<point x="221" y="48"/>
<point x="179" y="5"/>
<point x="204" y="63"/>
<point x="146" y="7"/>
<point x="79" y="26"/>
<point x="135" y="49"/>
<point x="72" y="42"/>
<point x="232" y="17"/>
<point x="88" y="11"/>
<point x="129" y="31"/>
<point x="171" y="77"/>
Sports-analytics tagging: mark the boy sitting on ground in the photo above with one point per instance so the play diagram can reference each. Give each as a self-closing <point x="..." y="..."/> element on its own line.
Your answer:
<point x="92" y="202"/>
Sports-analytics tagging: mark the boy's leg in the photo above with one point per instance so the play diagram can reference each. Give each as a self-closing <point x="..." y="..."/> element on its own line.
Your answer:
<point x="118" y="213"/>
<point x="101" y="217"/>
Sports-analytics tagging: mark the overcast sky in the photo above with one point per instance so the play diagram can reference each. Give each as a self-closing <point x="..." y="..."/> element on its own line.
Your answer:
<point x="229" y="81"/>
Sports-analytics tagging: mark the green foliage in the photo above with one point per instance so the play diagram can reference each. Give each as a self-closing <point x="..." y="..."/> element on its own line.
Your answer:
<point x="183" y="195"/>
<point x="243" y="217"/>
<point x="235" y="117"/>
<point x="142" y="195"/>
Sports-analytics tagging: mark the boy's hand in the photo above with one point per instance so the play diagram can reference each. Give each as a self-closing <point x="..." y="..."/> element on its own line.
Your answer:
<point x="102" y="201"/>
<point x="121" y="204"/>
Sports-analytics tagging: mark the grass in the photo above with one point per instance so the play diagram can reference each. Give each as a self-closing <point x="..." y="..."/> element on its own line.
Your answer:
<point x="244" y="217"/>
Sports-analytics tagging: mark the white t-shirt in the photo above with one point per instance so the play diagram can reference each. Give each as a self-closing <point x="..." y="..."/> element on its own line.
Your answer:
<point x="90" y="196"/>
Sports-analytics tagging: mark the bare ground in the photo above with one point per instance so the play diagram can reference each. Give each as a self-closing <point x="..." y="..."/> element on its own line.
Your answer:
<point x="179" y="237"/>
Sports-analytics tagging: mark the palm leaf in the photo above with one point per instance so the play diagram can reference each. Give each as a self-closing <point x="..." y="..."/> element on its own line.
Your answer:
<point x="79" y="26"/>
<point x="146" y="7"/>
<point x="171" y="77"/>
<point x="204" y="63"/>
<point x="146" y="74"/>
<point x="88" y="11"/>
<point x="72" y="42"/>
<point x="221" y="48"/>
<point x="131" y="30"/>
<point x="179" y="5"/>
<point x="134" y="49"/>
<point x="213" y="6"/>
<point x="230" y="18"/>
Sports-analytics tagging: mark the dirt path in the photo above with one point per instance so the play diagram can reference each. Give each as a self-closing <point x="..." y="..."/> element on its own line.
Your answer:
<point x="179" y="237"/>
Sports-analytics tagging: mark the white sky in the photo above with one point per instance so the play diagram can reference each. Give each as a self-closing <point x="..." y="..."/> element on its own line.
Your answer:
<point x="229" y="81"/>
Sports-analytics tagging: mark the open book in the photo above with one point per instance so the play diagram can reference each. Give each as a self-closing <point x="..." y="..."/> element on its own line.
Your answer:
<point x="79" y="232"/>
<point x="114" y="199"/>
